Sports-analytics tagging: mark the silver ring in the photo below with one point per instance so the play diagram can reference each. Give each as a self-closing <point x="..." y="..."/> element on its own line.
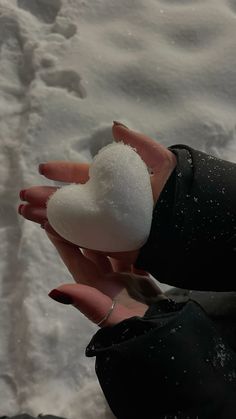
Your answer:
<point x="108" y="313"/>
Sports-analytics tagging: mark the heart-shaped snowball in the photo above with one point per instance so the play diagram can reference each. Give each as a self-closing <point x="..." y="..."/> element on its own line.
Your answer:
<point x="113" y="210"/>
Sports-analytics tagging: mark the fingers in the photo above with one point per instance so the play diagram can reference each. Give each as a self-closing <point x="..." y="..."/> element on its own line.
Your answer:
<point x="85" y="270"/>
<point x="35" y="209"/>
<point x="154" y="155"/>
<point x="82" y="269"/>
<point x="120" y="265"/>
<point x="102" y="261"/>
<point x="157" y="157"/>
<point x="95" y="305"/>
<point x="38" y="195"/>
<point x="64" y="171"/>
<point x="119" y="261"/>
<point x="36" y="214"/>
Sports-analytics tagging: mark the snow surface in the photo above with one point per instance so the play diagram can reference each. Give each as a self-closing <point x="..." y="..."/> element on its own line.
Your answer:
<point x="67" y="69"/>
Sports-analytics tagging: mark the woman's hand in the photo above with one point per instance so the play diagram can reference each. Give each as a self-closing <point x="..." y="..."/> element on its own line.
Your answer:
<point x="94" y="293"/>
<point x="98" y="284"/>
<point x="159" y="160"/>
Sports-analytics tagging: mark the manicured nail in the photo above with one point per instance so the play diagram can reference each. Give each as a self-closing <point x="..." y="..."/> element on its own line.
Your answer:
<point x="61" y="297"/>
<point x="41" y="168"/>
<point x="20" y="208"/>
<point x="22" y="194"/>
<point x="117" y="123"/>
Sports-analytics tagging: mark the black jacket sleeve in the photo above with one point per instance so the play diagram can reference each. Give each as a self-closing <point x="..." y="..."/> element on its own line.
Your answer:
<point x="172" y="363"/>
<point x="192" y="242"/>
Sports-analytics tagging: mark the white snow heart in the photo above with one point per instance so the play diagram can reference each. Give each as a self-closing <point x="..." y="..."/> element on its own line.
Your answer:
<point x="112" y="211"/>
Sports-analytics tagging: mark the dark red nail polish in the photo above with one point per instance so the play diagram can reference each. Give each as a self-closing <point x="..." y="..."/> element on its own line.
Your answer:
<point x="22" y="194"/>
<point x="41" y="168"/>
<point x="117" y="123"/>
<point x="20" y="208"/>
<point x="61" y="297"/>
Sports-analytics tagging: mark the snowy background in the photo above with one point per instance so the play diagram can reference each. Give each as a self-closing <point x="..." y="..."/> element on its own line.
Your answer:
<point x="67" y="69"/>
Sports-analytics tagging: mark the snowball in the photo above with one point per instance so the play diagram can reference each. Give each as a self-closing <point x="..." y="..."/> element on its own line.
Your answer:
<point x="113" y="210"/>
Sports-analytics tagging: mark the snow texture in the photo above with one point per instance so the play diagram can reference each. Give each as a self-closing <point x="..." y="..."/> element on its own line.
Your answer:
<point x="107" y="213"/>
<point x="67" y="69"/>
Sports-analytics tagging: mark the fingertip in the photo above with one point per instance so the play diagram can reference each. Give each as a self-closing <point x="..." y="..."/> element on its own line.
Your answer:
<point x="61" y="296"/>
<point x="119" y="124"/>
<point x="41" y="168"/>
<point x="22" y="195"/>
<point x="119" y="130"/>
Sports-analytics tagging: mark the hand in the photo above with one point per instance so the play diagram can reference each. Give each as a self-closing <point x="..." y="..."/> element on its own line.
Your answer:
<point x="98" y="284"/>
<point x="90" y="268"/>
<point x="158" y="158"/>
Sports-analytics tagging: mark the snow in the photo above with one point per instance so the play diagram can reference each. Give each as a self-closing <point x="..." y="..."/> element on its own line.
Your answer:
<point x="107" y="213"/>
<point x="67" y="69"/>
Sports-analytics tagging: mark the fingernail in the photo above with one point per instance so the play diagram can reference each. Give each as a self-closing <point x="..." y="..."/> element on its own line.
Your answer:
<point x="117" y="123"/>
<point x="60" y="296"/>
<point x="22" y="194"/>
<point x="41" y="168"/>
<point x="20" y="208"/>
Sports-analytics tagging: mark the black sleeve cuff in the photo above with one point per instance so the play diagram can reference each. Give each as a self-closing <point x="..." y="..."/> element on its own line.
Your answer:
<point x="170" y="363"/>
<point x="192" y="242"/>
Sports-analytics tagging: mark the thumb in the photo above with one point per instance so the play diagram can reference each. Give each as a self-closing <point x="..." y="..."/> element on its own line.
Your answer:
<point x="160" y="161"/>
<point x="92" y="303"/>
<point x="155" y="155"/>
